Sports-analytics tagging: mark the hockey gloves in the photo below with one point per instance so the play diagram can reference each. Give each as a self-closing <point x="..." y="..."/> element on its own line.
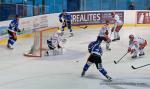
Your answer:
<point x="130" y="50"/>
<point x="60" y="20"/>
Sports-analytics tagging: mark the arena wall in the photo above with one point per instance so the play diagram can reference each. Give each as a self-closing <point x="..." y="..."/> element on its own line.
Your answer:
<point x="94" y="18"/>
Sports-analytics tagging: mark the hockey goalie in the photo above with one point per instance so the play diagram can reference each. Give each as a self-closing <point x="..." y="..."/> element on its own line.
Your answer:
<point x="55" y="44"/>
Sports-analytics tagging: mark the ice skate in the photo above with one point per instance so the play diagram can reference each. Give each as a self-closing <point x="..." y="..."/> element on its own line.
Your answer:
<point x="114" y="40"/>
<point x="108" y="48"/>
<point x="118" y="38"/>
<point x="134" y="56"/>
<point x="9" y="46"/>
<point x="142" y="54"/>
<point x="47" y="53"/>
<point x="83" y="73"/>
<point x="62" y="33"/>
<point x="71" y="35"/>
<point x="108" y="77"/>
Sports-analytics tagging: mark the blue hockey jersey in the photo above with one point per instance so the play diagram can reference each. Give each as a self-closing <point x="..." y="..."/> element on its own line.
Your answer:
<point x="95" y="48"/>
<point x="66" y="17"/>
<point x="13" y="26"/>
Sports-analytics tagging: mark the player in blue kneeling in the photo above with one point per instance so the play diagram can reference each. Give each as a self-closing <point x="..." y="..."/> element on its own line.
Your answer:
<point x="65" y="19"/>
<point x="12" y="31"/>
<point x="95" y="51"/>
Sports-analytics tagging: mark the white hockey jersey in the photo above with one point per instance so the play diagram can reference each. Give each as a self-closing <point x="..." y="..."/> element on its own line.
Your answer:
<point x="55" y="39"/>
<point x="136" y="42"/>
<point x="102" y="31"/>
<point x="117" y="20"/>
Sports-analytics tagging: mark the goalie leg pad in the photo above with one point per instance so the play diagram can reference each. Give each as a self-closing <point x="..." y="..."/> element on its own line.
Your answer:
<point x="49" y="43"/>
<point x="58" y="51"/>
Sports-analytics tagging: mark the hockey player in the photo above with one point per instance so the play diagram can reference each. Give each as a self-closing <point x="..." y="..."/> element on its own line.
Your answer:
<point x="136" y="46"/>
<point x="103" y="35"/>
<point x="54" y="43"/>
<point x="117" y="26"/>
<point x="65" y="19"/>
<point x="95" y="51"/>
<point x="12" y="31"/>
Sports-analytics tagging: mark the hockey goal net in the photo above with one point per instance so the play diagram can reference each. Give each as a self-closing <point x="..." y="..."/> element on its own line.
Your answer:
<point x="40" y="38"/>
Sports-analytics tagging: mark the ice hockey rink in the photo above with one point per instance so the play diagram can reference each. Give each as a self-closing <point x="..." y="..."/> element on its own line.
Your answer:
<point x="63" y="71"/>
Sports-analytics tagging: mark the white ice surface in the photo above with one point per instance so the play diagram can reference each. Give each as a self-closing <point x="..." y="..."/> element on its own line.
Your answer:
<point x="63" y="71"/>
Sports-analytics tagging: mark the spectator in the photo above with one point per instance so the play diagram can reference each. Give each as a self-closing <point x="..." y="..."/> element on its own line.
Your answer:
<point x="148" y="8"/>
<point x="132" y="6"/>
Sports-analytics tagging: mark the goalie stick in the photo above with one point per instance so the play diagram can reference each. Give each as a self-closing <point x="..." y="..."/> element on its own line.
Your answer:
<point x="139" y="66"/>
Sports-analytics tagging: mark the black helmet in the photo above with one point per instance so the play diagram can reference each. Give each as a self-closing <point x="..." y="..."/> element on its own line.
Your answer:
<point x="17" y="16"/>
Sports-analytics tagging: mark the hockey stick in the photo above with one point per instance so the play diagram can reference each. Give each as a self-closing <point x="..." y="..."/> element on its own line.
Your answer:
<point x="83" y="27"/>
<point x="120" y="58"/>
<point x="21" y="31"/>
<point x="139" y="66"/>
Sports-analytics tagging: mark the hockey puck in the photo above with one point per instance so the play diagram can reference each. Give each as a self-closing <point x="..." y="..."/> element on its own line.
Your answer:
<point x="77" y="61"/>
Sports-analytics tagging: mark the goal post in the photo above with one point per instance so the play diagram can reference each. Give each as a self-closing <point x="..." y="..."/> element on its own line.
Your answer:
<point x="40" y="41"/>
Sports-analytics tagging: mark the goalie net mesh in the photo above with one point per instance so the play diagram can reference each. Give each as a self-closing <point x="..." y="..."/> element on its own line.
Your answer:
<point x="39" y="46"/>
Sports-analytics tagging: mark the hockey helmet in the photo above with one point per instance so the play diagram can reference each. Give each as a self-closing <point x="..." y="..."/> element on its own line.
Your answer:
<point x="64" y="12"/>
<point x="17" y="17"/>
<point x="113" y="13"/>
<point x="131" y="37"/>
<point x="97" y="41"/>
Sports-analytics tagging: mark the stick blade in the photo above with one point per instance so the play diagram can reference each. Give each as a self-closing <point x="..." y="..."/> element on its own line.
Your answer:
<point x="115" y="62"/>
<point x="86" y="26"/>
<point x="133" y="67"/>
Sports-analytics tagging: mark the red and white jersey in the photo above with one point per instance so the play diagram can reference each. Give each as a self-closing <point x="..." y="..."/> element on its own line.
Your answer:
<point x="137" y="41"/>
<point x="117" y="20"/>
<point x="102" y="31"/>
